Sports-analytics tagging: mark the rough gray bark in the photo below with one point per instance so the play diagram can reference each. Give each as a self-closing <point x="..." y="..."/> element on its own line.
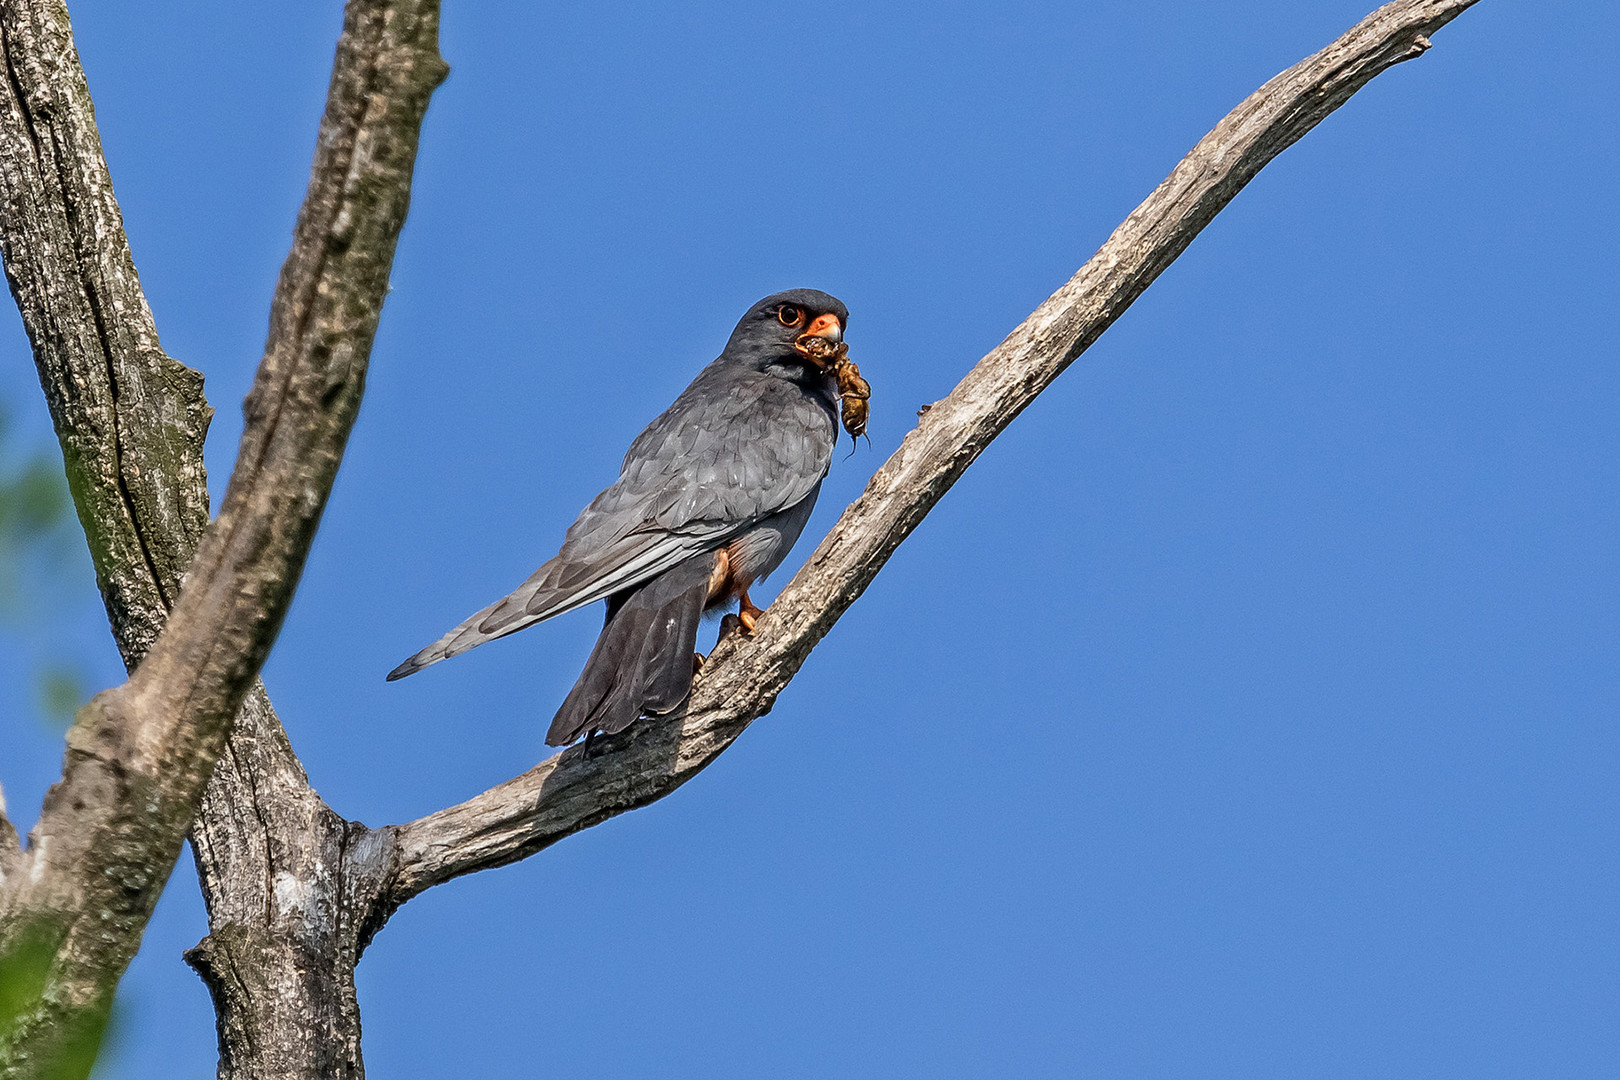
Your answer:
<point x="290" y="887"/>
<point x="278" y="867"/>
<point x="131" y="422"/>
<point x="111" y="391"/>
<point x="294" y="891"/>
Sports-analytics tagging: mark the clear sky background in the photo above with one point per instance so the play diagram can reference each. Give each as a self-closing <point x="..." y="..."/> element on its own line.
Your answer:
<point x="1248" y="710"/>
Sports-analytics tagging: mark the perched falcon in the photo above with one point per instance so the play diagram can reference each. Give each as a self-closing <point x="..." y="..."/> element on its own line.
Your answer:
<point x="709" y="500"/>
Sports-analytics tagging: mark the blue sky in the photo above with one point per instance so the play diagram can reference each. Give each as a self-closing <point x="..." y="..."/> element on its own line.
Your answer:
<point x="1248" y="710"/>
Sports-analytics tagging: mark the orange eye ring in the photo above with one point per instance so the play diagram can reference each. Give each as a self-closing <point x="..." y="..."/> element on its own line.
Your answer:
<point x="789" y="315"/>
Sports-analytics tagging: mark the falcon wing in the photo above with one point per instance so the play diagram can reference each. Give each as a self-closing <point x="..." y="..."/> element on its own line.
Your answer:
<point x="734" y="448"/>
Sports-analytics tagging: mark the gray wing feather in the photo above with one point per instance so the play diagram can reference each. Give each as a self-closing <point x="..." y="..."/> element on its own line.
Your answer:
<point x="734" y="448"/>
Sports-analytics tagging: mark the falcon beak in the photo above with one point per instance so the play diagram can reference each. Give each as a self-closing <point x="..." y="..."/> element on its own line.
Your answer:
<point x="826" y="326"/>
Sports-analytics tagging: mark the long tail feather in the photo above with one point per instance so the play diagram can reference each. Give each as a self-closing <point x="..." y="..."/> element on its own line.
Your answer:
<point x="642" y="663"/>
<point x="506" y="616"/>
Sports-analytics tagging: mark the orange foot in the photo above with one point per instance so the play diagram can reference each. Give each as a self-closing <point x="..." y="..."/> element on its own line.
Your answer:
<point x="748" y="613"/>
<point x="698" y="660"/>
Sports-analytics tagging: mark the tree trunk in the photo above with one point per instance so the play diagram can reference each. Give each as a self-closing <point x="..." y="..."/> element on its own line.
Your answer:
<point x="288" y="883"/>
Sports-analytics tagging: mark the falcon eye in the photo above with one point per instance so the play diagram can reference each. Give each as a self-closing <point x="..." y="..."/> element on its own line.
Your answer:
<point x="788" y="315"/>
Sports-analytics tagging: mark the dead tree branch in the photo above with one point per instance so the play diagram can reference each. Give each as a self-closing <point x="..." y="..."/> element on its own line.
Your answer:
<point x="573" y="791"/>
<point x="139" y="755"/>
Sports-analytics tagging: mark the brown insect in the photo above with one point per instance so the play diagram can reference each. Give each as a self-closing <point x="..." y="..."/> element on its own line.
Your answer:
<point x="853" y="391"/>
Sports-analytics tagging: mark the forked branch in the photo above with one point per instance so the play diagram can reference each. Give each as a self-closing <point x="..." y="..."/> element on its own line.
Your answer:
<point x="573" y="791"/>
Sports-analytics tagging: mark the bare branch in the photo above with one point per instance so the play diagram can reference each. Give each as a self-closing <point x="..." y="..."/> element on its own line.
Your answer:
<point x="573" y="791"/>
<point x="131" y="420"/>
<point x="139" y="755"/>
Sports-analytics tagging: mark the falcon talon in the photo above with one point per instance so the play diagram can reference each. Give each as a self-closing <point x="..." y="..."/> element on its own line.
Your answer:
<point x="748" y="614"/>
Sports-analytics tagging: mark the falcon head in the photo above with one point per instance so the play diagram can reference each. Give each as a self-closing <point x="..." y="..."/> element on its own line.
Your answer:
<point x="767" y="334"/>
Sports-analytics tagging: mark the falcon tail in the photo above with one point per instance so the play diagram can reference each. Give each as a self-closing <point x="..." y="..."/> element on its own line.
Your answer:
<point x="535" y="600"/>
<point x="642" y="663"/>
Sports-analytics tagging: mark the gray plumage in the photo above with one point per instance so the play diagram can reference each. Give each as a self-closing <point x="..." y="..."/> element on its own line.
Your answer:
<point x="735" y="463"/>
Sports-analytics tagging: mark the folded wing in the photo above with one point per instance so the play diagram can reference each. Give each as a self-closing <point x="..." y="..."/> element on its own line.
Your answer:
<point x="734" y="448"/>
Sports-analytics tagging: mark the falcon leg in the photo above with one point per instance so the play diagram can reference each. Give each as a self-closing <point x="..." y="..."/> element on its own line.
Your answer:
<point x="698" y="660"/>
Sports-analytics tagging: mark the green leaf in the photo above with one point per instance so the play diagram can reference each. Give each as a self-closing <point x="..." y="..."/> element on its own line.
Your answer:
<point x="59" y="690"/>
